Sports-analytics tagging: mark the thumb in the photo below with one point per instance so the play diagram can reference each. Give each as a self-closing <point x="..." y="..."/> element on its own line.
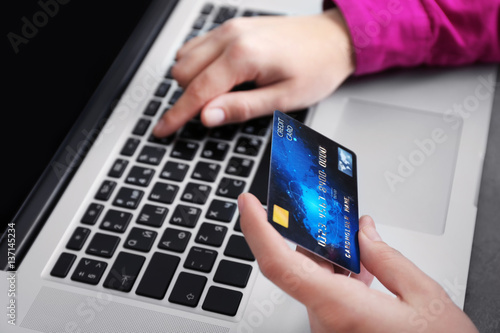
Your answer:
<point x="390" y="267"/>
<point x="239" y="106"/>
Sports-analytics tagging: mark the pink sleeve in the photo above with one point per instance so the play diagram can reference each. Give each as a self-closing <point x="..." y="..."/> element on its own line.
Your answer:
<point x="404" y="33"/>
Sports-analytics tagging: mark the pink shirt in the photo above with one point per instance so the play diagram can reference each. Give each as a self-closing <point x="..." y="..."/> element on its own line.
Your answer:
<point x="404" y="33"/>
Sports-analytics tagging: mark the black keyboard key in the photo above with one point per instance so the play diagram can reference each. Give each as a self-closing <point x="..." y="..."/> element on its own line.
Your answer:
<point x="175" y="96"/>
<point x="260" y="184"/>
<point x="116" y="221"/>
<point x="188" y="289"/>
<point x="104" y="192"/>
<point x="174" y="171"/>
<point x="141" y="127"/>
<point x="92" y="213"/>
<point x="103" y="245"/>
<point x="224" y="14"/>
<point x="206" y="171"/>
<point x="222" y="211"/>
<point x="89" y="271"/>
<point x="63" y="265"/>
<point x="200" y="259"/>
<point x="233" y="273"/>
<point x="163" y="192"/>
<point x="118" y="168"/>
<point x="152" y="108"/>
<point x="128" y="198"/>
<point x="237" y="247"/>
<point x="215" y="150"/>
<point x="140" y="239"/>
<point x="248" y="146"/>
<point x="168" y="74"/>
<point x="139" y="176"/>
<point x="151" y="155"/>
<point x="196" y="193"/>
<point x="240" y="167"/>
<point x="237" y="225"/>
<point x="152" y="215"/>
<point x="186" y="216"/>
<point x="124" y="272"/>
<point x="230" y="188"/>
<point x="130" y="147"/>
<point x="162" y="89"/>
<point x="184" y="150"/>
<point x="162" y="141"/>
<point x="158" y="275"/>
<point x="222" y="300"/>
<point x="207" y="8"/>
<point x="194" y="130"/>
<point x="200" y="22"/>
<point x="174" y="240"/>
<point x="257" y="126"/>
<point x="78" y="238"/>
<point x="226" y="132"/>
<point x="211" y="234"/>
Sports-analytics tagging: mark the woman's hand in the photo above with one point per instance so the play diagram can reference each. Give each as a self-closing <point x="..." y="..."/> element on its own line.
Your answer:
<point x="338" y="303"/>
<point x="294" y="61"/>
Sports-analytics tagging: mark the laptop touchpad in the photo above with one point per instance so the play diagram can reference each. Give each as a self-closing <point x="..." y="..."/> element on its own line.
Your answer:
<point x="406" y="162"/>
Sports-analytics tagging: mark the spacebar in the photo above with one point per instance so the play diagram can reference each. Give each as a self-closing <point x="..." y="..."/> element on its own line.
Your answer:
<point x="261" y="179"/>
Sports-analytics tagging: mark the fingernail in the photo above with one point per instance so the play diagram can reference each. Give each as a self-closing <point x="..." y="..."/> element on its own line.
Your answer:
<point x="159" y="125"/>
<point x="371" y="233"/>
<point x="214" y="117"/>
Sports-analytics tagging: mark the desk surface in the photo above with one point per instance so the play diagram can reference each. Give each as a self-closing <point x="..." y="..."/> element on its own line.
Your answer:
<point x="482" y="299"/>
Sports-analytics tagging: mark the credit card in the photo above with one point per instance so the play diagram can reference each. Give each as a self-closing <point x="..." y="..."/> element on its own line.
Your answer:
<point x="313" y="192"/>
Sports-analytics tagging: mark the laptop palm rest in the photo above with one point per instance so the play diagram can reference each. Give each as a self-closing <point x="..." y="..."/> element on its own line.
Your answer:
<point x="406" y="161"/>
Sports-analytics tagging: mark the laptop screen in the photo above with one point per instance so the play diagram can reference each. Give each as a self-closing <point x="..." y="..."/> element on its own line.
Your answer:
<point x="55" y="54"/>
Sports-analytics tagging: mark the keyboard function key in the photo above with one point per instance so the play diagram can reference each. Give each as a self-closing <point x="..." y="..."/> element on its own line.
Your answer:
<point x="174" y="240"/>
<point x="103" y="245"/>
<point x="118" y="168"/>
<point x="124" y="272"/>
<point x="130" y="147"/>
<point x="63" y="265"/>
<point x="104" y="192"/>
<point x="89" y="271"/>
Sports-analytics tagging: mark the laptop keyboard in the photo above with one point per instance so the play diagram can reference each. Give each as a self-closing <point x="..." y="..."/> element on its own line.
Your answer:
<point x="163" y="224"/>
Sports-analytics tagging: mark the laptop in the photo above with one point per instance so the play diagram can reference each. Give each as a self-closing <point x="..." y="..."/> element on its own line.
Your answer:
<point x="107" y="229"/>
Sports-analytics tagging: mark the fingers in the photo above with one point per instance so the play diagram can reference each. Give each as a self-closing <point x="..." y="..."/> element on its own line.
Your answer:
<point x="296" y="274"/>
<point x="390" y="267"/>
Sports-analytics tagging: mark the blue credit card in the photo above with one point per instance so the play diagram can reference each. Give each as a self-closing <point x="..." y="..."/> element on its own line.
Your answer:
<point x="313" y="195"/>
